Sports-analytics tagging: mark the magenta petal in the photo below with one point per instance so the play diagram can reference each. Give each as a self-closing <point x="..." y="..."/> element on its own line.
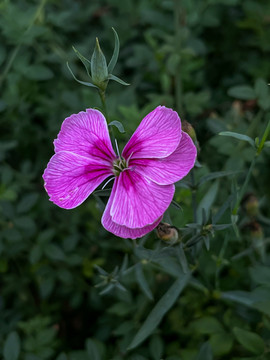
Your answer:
<point x="70" y="178"/>
<point x="157" y="135"/>
<point x="139" y="202"/>
<point x="123" y="231"/>
<point x="86" y="134"/>
<point x="169" y="169"/>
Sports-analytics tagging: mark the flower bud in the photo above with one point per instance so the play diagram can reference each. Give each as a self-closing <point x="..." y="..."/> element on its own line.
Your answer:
<point x="167" y="233"/>
<point x="99" y="69"/>
<point x="189" y="129"/>
<point x="251" y="205"/>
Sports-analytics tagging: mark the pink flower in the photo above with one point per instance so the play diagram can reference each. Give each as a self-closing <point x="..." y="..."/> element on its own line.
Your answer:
<point x="157" y="155"/>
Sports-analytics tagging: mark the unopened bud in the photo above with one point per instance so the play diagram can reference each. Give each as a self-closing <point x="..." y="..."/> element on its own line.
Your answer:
<point x="255" y="230"/>
<point x="167" y="233"/>
<point x="99" y="69"/>
<point x="237" y="108"/>
<point x="189" y="129"/>
<point x="251" y="205"/>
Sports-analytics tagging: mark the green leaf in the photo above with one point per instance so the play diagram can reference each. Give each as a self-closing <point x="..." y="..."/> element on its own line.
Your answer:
<point x="260" y="275"/>
<point x="115" y="78"/>
<point x="118" y="125"/>
<point x="156" y="347"/>
<point x="79" y="81"/>
<point x="207" y="325"/>
<point x="160" y="309"/>
<point x="92" y="350"/>
<point x="205" y="352"/>
<point x="180" y="253"/>
<point x="207" y="201"/>
<point x="86" y="62"/>
<point x="238" y="137"/>
<point x="261" y="88"/>
<point x="115" y="55"/>
<point x="249" y="340"/>
<point x="242" y="92"/>
<point x="221" y="343"/>
<point x="12" y="347"/>
<point x="142" y="281"/>
<point x="27" y="202"/>
<point x="216" y="175"/>
<point x="54" y="252"/>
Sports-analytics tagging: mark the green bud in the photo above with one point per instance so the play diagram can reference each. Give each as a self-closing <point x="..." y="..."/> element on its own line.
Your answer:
<point x="99" y="69"/>
<point x="251" y="205"/>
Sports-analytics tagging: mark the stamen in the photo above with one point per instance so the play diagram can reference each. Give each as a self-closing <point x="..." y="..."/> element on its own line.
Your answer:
<point x="107" y="182"/>
<point x="117" y="148"/>
<point x="129" y="157"/>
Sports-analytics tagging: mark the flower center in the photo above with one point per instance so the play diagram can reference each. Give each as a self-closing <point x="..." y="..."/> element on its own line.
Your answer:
<point x="119" y="165"/>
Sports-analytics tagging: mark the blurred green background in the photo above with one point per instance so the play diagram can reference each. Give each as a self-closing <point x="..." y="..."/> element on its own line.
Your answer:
<point x="207" y="59"/>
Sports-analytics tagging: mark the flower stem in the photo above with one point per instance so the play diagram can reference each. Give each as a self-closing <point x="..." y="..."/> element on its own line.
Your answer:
<point x="244" y="187"/>
<point x="105" y="112"/>
<point x="103" y="102"/>
<point x="265" y="135"/>
<point x="193" y="195"/>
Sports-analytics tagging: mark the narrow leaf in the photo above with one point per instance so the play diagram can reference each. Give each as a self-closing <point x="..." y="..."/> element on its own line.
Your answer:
<point x="115" y="78"/>
<point x="86" y="62"/>
<point x="180" y="253"/>
<point x="222" y="210"/>
<point x="216" y="175"/>
<point x="238" y="136"/>
<point x="118" y="125"/>
<point x="79" y="81"/>
<point x="114" y="58"/>
<point x="207" y="201"/>
<point x="12" y="347"/>
<point x="142" y="281"/>
<point x="160" y="309"/>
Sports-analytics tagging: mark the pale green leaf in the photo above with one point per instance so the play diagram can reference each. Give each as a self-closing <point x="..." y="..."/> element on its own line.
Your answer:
<point x="115" y="55"/>
<point x="238" y="136"/>
<point x="160" y="309"/>
<point x="12" y="347"/>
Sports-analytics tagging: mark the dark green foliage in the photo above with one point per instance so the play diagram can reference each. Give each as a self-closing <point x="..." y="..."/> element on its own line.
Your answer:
<point x="68" y="289"/>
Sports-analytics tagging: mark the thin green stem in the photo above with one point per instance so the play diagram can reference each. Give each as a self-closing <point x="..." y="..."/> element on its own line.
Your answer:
<point x="220" y="258"/>
<point x="193" y="195"/>
<point x="103" y="102"/>
<point x="105" y="112"/>
<point x="265" y="135"/>
<point x="244" y="187"/>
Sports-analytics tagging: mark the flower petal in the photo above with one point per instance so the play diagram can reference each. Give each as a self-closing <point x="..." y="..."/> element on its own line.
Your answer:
<point x="169" y="169"/>
<point x="86" y="134"/>
<point x="120" y="230"/>
<point x="157" y="136"/>
<point x="70" y="178"/>
<point x="138" y="201"/>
